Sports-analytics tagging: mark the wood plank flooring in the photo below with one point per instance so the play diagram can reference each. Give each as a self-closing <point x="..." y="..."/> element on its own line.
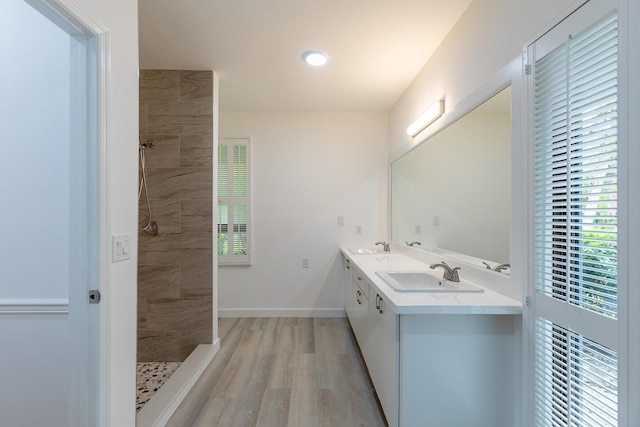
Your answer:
<point x="282" y="372"/>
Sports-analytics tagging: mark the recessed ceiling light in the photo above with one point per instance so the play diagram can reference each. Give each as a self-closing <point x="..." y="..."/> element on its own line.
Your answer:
<point x="314" y="57"/>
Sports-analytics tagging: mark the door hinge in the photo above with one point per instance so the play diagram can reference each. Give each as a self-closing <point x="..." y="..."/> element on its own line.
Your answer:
<point x="527" y="301"/>
<point x="527" y="69"/>
<point x="94" y="296"/>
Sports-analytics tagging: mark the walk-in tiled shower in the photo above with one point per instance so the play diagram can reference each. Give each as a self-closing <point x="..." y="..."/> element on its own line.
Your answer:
<point x="174" y="265"/>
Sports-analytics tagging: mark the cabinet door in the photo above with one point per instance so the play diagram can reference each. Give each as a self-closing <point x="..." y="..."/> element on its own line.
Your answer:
<point x="348" y="291"/>
<point x="381" y="355"/>
<point x="360" y="313"/>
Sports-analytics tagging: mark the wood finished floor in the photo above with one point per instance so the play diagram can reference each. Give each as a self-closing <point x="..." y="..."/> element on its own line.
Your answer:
<point x="282" y="372"/>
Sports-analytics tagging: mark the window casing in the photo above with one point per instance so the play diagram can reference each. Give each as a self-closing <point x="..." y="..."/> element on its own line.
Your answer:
<point x="573" y="126"/>
<point x="234" y="202"/>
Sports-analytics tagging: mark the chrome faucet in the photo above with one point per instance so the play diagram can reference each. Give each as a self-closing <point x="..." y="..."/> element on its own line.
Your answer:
<point x="449" y="273"/>
<point x="412" y="244"/>
<point x="501" y="267"/>
<point x="385" y="246"/>
<point x="498" y="267"/>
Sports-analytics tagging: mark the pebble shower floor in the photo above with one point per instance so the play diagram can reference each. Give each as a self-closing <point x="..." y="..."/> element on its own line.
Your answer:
<point x="150" y="377"/>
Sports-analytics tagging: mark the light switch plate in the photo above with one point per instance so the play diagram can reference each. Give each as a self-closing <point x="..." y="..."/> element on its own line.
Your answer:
<point x="120" y="248"/>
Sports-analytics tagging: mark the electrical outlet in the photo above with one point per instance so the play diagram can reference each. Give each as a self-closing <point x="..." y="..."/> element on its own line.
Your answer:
<point x="341" y="221"/>
<point x="358" y="230"/>
<point x="305" y="262"/>
<point x="436" y="220"/>
<point x="418" y="230"/>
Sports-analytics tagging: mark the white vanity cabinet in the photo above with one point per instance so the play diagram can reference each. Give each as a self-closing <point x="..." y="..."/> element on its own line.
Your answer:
<point x="436" y="369"/>
<point x="381" y="354"/>
<point x="375" y="326"/>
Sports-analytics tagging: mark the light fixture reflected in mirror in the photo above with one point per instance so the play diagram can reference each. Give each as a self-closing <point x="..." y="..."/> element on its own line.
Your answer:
<point x="428" y="117"/>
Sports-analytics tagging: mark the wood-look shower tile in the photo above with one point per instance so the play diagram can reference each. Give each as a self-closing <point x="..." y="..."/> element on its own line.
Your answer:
<point x="183" y="119"/>
<point x="196" y="86"/>
<point x="143" y="119"/>
<point x="141" y="313"/>
<point x="165" y="152"/>
<point x="158" y="345"/>
<point x="142" y="248"/>
<point x="197" y="279"/>
<point x="191" y="338"/>
<point x="196" y="215"/>
<point x="196" y="150"/>
<point x="178" y="313"/>
<point x="158" y="281"/>
<point x="165" y="212"/>
<point x="180" y="248"/>
<point x="180" y="183"/>
<point x="159" y="86"/>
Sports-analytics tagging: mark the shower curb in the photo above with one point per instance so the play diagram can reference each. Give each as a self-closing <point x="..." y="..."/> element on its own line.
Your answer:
<point x="159" y="409"/>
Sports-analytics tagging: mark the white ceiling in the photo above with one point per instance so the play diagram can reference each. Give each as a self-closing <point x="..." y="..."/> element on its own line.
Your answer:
<point x="375" y="48"/>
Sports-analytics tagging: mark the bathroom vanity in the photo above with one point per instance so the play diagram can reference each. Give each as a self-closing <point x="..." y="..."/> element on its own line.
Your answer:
<point x="436" y="359"/>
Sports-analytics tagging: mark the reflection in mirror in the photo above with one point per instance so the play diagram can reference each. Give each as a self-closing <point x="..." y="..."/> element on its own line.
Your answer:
<point x="452" y="193"/>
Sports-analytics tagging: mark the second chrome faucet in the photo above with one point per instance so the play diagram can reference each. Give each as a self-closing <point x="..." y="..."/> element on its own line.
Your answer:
<point x="385" y="246"/>
<point x="449" y="273"/>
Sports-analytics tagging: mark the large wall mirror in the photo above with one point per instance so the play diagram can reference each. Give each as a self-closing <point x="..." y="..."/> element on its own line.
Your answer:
<point x="452" y="193"/>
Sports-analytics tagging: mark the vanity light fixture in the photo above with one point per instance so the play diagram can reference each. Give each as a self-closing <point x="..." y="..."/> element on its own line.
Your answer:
<point x="428" y="117"/>
<point x="315" y="58"/>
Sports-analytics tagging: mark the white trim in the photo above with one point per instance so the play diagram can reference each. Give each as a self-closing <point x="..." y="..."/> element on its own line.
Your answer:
<point x="160" y="408"/>
<point x="34" y="306"/>
<point x="70" y="17"/>
<point x="628" y="243"/>
<point x="281" y="312"/>
<point x="104" y="105"/>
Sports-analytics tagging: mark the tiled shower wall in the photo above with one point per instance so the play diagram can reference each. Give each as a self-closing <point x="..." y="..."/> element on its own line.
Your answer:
<point x="175" y="267"/>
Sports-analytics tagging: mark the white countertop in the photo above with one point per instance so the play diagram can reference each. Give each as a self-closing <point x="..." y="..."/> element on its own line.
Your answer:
<point x="487" y="302"/>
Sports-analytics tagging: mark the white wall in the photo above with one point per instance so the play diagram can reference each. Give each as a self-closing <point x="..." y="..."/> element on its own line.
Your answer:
<point x="488" y="35"/>
<point x="120" y="18"/>
<point x="308" y="168"/>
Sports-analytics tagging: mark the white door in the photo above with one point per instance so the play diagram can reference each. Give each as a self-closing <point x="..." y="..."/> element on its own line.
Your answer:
<point x="48" y="218"/>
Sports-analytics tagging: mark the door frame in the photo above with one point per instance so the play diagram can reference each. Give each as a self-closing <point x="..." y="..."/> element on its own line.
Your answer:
<point x="76" y="22"/>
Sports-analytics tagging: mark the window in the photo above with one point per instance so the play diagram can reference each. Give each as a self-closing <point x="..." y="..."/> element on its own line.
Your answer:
<point x="574" y="264"/>
<point x="233" y="202"/>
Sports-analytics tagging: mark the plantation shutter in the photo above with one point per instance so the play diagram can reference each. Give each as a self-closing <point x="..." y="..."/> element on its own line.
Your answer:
<point x="573" y="93"/>
<point x="233" y="201"/>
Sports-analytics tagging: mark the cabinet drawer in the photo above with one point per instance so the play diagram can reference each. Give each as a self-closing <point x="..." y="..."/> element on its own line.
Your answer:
<point x="361" y="281"/>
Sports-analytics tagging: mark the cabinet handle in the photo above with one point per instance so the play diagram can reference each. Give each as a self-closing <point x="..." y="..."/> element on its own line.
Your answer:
<point x="359" y="294"/>
<point x="379" y="303"/>
<point x="348" y="267"/>
<point x="359" y="278"/>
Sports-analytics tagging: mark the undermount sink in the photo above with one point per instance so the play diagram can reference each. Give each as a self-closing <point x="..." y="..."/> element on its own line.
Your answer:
<point x="412" y="281"/>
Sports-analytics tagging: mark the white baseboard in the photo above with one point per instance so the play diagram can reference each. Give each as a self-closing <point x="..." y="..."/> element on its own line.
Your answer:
<point x="159" y="409"/>
<point x="280" y="312"/>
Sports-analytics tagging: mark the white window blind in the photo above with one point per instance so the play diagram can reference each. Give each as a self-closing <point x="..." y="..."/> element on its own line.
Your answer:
<point x="233" y="201"/>
<point x="575" y="221"/>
